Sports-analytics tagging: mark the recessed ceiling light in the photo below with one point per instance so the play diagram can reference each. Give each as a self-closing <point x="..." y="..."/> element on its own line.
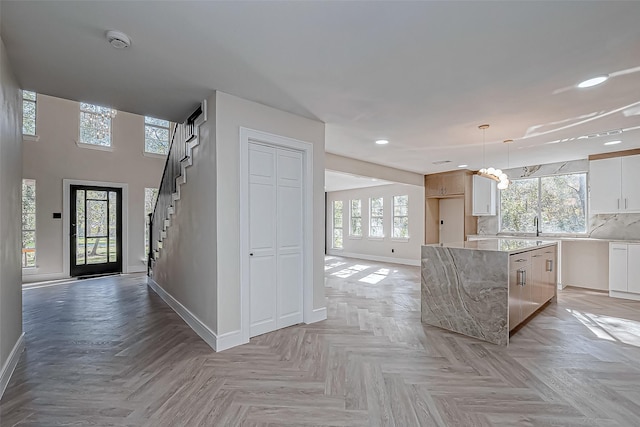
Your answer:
<point x="593" y="81"/>
<point x="462" y="166"/>
<point x="612" y="142"/>
<point x="382" y="141"/>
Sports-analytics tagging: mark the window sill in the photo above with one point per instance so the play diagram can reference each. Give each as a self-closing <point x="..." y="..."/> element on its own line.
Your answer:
<point x="375" y="238"/>
<point x="27" y="271"/>
<point x="355" y="237"/>
<point x="154" y="155"/>
<point x="400" y="239"/>
<point x="26" y="137"/>
<point x="94" y="146"/>
<point x="337" y="249"/>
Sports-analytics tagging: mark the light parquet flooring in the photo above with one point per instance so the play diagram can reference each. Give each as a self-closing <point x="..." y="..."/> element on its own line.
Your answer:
<point x="109" y="352"/>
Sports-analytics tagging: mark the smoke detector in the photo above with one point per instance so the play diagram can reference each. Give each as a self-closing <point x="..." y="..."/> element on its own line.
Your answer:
<point x="118" y="39"/>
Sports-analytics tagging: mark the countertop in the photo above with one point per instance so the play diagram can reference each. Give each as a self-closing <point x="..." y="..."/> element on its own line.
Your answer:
<point x="498" y="244"/>
<point x="552" y="238"/>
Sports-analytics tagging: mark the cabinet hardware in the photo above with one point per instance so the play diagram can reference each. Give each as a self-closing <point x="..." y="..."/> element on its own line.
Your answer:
<point x="522" y="277"/>
<point x="625" y="203"/>
<point x="549" y="266"/>
<point x="618" y="203"/>
<point x="521" y="260"/>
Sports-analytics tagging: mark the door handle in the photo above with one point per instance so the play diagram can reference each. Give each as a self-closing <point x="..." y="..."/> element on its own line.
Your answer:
<point x="625" y="203"/>
<point x="618" y="203"/>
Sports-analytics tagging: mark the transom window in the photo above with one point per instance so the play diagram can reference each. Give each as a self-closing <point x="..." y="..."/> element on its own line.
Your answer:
<point x="29" y="100"/>
<point x="95" y="124"/>
<point x="355" y="225"/>
<point x="400" y="217"/>
<point x="558" y="202"/>
<point x="376" y="217"/>
<point x="28" y="223"/>
<point x="337" y="224"/>
<point x="156" y="136"/>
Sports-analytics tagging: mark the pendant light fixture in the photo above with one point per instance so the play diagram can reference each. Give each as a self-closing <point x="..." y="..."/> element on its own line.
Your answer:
<point x="495" y="174"/>
<point x="504" y="183"/>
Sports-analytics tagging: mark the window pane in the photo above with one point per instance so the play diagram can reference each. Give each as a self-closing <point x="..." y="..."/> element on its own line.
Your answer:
<point x="28" y="223"/>
<point x="97" y="218"/>
<point x="563" y="204"/>
<point x="337" y="239"/>
<point x="157" y="122"/>
<point x="28" y="117"/>
<point x="95" y="124"/>
<point x="96" y="250"/>
<point x="156" y="140"/>
<point x="519" y="205"/>
<point x="401" y="227"/>
<point x="27" y="94"/>
<point x="356" y="226"/>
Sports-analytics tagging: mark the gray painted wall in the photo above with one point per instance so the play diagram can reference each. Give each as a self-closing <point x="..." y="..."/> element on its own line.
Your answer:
<point x="10" y="208"/>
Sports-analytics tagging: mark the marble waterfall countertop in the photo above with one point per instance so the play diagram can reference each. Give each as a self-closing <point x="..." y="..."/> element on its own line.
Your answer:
<point x="499" y="245"/>
<point x="465" y="286"/>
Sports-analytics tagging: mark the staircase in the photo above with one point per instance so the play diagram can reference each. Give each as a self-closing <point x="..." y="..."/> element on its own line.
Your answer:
<point x="185" y="138"/>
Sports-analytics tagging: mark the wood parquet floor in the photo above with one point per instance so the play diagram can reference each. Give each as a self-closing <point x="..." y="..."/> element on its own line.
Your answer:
<point x="109" y="352"/>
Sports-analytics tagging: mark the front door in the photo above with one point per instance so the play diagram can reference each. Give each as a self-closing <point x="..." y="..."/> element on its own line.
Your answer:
<point x="96" y="230"/>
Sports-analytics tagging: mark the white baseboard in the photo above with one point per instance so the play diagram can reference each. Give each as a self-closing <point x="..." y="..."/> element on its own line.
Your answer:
<point x="625" y="295"/>
<point x="29" y="278"/>
<point x="10" y="364"/>
<point x="404" y="261"/>
<point x="317" y="315"/>
<point x="137" y="269"/>
<point x="217" y="343"/>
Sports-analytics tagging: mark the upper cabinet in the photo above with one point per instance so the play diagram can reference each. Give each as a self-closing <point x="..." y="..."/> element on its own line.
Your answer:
<point x="444" y="184"/>
<point x="614" y="185"/>
<point x="484" y="196"/>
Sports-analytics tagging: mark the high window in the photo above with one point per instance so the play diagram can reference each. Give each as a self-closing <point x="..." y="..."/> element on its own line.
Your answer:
<point x="29" y="100"/>
<point x="156" y="136"/>
<point x="355" y="224"/>
<point x="28" y="223"/>
<point x="400" y="217"/>
<point x="558" y="202"/>
<point x="150" y="196"/>
<point x="95" y="124"/>
<point x="376" y="217"/>
<point x="337" y="224"/>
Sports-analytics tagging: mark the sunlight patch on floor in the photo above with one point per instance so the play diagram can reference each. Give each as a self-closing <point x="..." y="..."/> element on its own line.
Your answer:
<point x="610" y="328"/>
<point x="376" y="277"/>
<point x="350" y="271"/>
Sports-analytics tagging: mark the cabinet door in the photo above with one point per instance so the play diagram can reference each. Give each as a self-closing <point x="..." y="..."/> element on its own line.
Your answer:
<point x="551" y="279"/>
<point x="433" y="185"/>
<point x="515" y="305"/>
<point x="630" y="189"/>
<point x="453" y="184"/>
<point x="605" y="185"/>
<point x="484" y="196"/>
<point x="618" y="267"/>
<point x="633" y="268"/>
<point x="538" y="281"/>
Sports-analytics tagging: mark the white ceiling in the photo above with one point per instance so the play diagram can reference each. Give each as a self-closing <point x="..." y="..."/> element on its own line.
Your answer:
<point x="338" y="181"/>
<point x="422" y="74"/>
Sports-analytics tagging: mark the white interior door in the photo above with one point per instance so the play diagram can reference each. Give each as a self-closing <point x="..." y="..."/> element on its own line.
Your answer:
<point x="452" y="220"/>
<point x="275" y="238"/>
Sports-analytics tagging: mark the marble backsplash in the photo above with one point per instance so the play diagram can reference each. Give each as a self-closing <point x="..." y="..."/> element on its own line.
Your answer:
<point x="603" y="226"/>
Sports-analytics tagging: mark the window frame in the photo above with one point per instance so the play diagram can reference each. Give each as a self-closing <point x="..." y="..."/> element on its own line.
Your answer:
<point x="333" y="224"/>
<point x="34" y="101"/>
<point x="152" y="125"/>
<point x="394" y="216"/>
<point x="371" y="217"/>
<point x="352" y="217"/>
<point x="538" y="208"/>
<point x="28" y="230"/>
<point x="89" y="144"/>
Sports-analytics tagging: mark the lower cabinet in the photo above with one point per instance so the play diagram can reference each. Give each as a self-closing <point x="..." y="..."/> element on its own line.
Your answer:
<point x="624" y="270"/>
<point x="532" y="282"/>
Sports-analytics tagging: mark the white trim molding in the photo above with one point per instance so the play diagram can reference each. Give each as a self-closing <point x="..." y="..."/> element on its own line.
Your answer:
<point x="403" y="261"/>
<point x="66" y="194"/>
<point x="318" y="315"/>
<point x="10" y="364"/>
<point x="306" y="149"/>
<point x="217" y="343"/>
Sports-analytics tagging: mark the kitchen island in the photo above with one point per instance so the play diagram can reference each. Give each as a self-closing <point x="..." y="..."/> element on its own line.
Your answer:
<point x="485" y="288"/>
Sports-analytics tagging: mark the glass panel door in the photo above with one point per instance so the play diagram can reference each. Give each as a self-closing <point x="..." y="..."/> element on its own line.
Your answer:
<point x="96" y="230"/>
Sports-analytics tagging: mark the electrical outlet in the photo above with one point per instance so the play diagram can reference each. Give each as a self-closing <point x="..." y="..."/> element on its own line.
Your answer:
<point x="393" y="250"/>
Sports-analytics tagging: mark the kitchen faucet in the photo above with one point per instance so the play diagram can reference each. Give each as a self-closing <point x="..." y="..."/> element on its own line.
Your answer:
<point x="536" y="223"/>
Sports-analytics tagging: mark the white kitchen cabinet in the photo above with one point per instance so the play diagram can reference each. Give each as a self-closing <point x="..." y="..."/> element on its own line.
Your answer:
<point x="484" y="196"/>
<point x="624" y="270"/>
<point x="613" y="185"/>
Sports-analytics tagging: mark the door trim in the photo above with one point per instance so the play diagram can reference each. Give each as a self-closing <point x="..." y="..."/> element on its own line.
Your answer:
<point x="306" y="149"/>
<point x="66" y="240"/>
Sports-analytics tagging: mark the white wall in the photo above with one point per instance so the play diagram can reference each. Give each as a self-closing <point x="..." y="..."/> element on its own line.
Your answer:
<point x="231" y="114"/>
<point x="407" y="252"/>
<point x="56" y="156"/>
<point x="187" y="265"/>
<point x="10" y="215"/>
